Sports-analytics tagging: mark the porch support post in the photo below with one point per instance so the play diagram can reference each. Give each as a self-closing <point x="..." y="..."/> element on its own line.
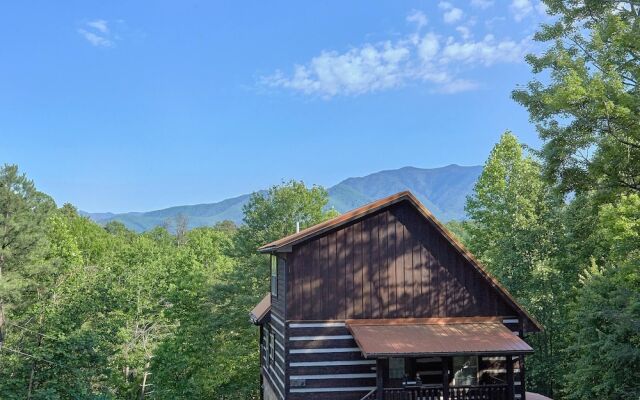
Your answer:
<point x="523" y="386"/>
<point x="445" y="378"/>
<point x="509" y="361"/>
<point x="379" y="379"/>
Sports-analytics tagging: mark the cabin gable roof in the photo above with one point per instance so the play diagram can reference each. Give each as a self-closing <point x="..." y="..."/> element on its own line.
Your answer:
<point x="286" y="244"/>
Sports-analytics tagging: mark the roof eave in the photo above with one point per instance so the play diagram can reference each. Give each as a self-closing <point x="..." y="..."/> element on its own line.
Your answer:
<point x="448" y="354"/>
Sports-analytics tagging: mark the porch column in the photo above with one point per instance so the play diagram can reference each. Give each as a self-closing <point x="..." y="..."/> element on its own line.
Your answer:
<point x="522" y="379"/>
<point x="509" y="361"/>
<point x="445" y="378"/>
<point x="379" y="379"/>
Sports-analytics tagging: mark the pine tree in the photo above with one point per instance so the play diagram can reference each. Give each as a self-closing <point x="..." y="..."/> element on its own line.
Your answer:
<point x="23" y="213"/>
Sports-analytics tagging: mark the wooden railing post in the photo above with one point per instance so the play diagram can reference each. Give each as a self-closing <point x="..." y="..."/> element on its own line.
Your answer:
<point x="445" y="378"/>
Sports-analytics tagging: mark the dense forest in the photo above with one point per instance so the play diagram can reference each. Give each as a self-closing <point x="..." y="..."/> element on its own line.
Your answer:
<point x="101" y="312"/>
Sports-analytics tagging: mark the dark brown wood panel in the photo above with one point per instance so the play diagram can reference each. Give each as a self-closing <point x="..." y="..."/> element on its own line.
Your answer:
<point x="391" y="264"/>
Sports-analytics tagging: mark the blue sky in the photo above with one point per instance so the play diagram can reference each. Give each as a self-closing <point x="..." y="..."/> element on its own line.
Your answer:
<point x="139" y="105"/>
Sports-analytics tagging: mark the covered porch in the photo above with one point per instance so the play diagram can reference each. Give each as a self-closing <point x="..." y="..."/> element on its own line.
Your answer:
<point x="443" y="358"/>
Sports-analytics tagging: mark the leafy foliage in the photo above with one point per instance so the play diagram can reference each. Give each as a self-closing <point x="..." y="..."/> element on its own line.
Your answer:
<point x="513" y="229"/>
<point x="122" y="315"/>
<point x="274" y="214"/>
<point x="588" y="112"/>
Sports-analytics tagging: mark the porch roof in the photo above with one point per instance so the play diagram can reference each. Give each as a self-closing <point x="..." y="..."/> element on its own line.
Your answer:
<point x="261" y="310"/>
<point x="435" y="336"/>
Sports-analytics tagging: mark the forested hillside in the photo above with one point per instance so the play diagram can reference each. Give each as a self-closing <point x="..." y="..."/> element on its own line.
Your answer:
<point x="106" y="313"/>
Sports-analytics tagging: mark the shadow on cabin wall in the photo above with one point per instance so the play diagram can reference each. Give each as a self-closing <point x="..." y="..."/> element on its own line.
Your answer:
<point x="391" y="264"/>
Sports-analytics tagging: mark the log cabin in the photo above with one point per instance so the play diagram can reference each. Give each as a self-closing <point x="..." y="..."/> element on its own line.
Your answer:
<point x="384" y="303"/>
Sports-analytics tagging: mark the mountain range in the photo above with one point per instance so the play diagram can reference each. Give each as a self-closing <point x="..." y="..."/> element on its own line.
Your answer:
<point x="442" y="190"/>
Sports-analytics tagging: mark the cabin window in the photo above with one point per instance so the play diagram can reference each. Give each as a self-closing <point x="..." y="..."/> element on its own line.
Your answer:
<point x="396" y="368"/>
<point x="465" y="371"/>
<point x="274" y="275"/>
<point x="272" y="348"/>
<point x="492" y="370"/>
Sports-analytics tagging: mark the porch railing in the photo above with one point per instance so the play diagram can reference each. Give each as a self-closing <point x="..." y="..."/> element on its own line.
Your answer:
<point x="419" y="393"/>
<point x="479" y="392"/>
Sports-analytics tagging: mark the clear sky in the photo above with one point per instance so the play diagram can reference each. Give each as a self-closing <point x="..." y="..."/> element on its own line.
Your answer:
<point x="138" y="105"/>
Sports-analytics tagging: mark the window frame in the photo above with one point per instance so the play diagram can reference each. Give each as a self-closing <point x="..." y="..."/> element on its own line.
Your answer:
<point x="274" y="275"/>
<point x="399" y="366"/>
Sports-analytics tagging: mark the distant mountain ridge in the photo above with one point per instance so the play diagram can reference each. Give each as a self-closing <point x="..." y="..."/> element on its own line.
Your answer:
<point x="442" y="190"/>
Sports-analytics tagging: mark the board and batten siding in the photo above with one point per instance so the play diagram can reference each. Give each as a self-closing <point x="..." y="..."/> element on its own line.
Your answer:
<point x="390" y="264"/>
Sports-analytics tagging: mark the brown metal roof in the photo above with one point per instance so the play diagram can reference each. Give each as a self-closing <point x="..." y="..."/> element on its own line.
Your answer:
<point x="435" y="336"/>
<point x="370" y="208"/>
<point x="261" y="310"/>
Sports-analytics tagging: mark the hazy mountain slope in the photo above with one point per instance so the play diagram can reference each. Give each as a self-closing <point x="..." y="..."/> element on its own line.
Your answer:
<point x="442" y="190"/>
<point x="197" y="215"/>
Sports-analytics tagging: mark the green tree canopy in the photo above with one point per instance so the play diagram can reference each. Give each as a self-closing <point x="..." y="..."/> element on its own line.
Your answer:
<point x="23" y="215"/>
<point x="506" y="212"/>
<point x="513" y="228"/>
<point x="588" y="112"/>
<point x="604" y="352"/>
<point x="273" y="214"/>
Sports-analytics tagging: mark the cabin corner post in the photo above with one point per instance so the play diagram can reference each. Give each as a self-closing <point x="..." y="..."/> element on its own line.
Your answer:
<point x="510" y="380"/>
<point x="379" y="379"/>
<point x="523" y="384"/>
<point x="445" y="378"/>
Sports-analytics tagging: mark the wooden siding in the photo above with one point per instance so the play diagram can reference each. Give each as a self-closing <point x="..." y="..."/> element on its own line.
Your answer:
<point x="325" y="363"/>
<point x="391" y="264"/>
<point x="276" y="373"/>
